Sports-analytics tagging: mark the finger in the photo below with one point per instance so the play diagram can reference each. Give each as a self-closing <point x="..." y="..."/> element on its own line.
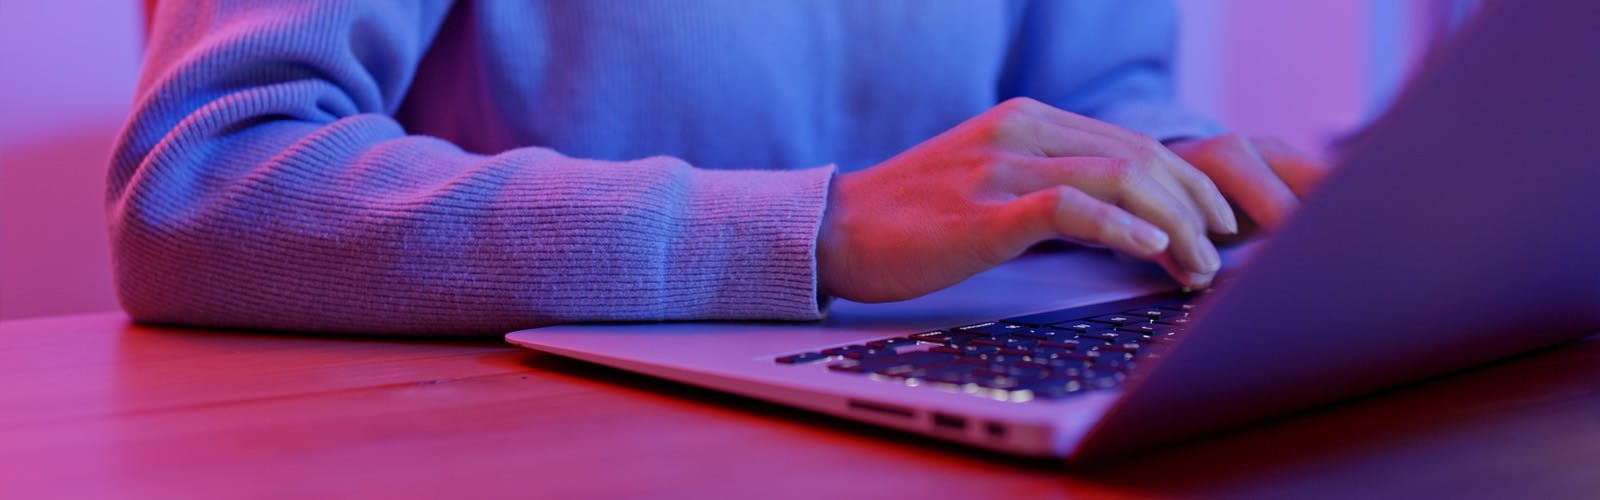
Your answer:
<point x="1191" y="280"/>
<point x="1243" y="175"/>
<point x="1029" y="174"/>
<point x="1203" y="190"/>
<point x="1113" y="181"/>
<point x="1067" y="213"/>
<point x="1064" y="134"/>
<point x="1298" y="170"/>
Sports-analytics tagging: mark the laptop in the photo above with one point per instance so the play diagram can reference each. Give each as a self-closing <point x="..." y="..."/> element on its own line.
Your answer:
<point x="1464" y="228"/>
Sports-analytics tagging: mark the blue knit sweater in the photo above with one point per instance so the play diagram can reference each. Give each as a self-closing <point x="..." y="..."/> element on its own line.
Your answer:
<point x="477" y="167"/>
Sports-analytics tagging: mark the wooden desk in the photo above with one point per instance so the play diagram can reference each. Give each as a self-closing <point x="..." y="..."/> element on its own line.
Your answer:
<point x="91" y="406"/>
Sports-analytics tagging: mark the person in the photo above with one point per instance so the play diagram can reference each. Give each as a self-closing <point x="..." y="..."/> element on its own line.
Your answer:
<point x="480" y="167"/>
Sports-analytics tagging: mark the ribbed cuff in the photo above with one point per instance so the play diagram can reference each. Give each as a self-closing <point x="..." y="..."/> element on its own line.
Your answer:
<point x="749" y="244"/>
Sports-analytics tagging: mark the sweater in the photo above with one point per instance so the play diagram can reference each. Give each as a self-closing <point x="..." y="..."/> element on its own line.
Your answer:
<point x="420" y="167"/>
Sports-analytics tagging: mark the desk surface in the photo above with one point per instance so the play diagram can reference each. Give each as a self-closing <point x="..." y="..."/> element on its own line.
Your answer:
<point x="92" y="406"/>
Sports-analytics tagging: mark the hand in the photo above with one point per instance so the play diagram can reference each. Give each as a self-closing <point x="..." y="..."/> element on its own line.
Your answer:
<point x="1264" y="177"/>
<point x="1020" y="173"/>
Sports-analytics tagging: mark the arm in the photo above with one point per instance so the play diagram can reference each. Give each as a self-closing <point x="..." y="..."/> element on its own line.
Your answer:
<point x="261" y="182"/>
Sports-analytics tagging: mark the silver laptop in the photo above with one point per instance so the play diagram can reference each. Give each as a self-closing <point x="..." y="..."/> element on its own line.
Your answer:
<point x="1463" y="229"/>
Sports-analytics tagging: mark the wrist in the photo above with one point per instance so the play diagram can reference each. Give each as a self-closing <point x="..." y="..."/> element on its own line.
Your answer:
<point x="828" y="237"/>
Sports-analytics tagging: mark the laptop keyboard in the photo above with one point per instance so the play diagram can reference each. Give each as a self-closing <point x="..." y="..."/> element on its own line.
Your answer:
<point x="1042" y="356"/>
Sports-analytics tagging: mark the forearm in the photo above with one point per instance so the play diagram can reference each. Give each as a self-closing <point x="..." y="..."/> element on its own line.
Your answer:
<point x="268" y="188"/>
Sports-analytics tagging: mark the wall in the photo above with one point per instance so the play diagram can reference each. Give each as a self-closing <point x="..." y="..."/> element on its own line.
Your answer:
<point x="1306" y="70"/>
<point x="67" y="70"/>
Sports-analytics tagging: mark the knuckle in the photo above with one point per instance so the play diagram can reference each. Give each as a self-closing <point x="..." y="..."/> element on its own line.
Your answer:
<point x="995" y="168"/>
<point x="1058" y="196"/>
<point x="1106" y="217"/>
<point x="1059" y="200"/>
<point x="1124" y="174"/>
<point x="1148" y="150"/>
<point x="1010" y="125"/>
<point x="1018" y="104"/>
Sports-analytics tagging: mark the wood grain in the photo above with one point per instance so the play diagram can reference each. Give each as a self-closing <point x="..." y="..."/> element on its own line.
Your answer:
<point x="91" y="406"/>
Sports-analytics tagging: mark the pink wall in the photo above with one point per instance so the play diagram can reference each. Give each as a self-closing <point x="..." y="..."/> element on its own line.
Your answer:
<point x="1306" y="70"/>
<point x="67" y="70"/>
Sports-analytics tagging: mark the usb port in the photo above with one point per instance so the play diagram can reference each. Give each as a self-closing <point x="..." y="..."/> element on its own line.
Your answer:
<point x="949" y="422"/>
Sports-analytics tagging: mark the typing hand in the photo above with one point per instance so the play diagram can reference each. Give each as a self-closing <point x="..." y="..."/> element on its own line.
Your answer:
<point x="1264" y="177"/>
<point x="1017" y="174"/>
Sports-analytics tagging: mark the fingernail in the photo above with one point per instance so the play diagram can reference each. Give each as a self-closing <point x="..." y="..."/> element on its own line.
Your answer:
<point x="1149" y="238"/>
<point x="1230" y="222"/>
<point x="1197" y="281"/>
<point x="1210" y="261"/>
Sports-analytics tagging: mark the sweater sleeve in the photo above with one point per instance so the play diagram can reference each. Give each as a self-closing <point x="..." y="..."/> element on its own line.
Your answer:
<point x="1107" y="59"/>
<point x="261" y="182"/>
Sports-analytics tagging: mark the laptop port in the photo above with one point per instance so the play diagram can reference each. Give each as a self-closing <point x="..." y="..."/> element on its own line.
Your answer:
<point x="996" y="430"/>
<point x="949" y="422"/>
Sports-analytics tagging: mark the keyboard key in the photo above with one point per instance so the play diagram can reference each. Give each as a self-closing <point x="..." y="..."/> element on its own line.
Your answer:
<point x="989" y="342"/>
<point x="1080" y="326"/>
<point x="1053" y="388"/>
<point x="1019" y="371"/>
<point x="1075" y="356"/>
<point x="914" y="358"/>
<point x="1153" y="313"/>
<point x="1075" y="344"/>
<point x="954" y="375"/>
<point x="1044" y="333"/>
<point x="1175" y="321"/>
<point x="993" y="329"/>
<point x="1112" y="363"/>
<point x="805" y="357"/>
<point x="1101" y="380"/>
<point x="868" y="353"/>
<point x="1066" y="367"/>
<point x="977" y="349"/>
<point x="1180" y="307"/>
<point x="847" y="367"/>
<point x="1107" y="355"/>
<point x="1147" y="329"/>
<point x="1128" y="348"/>
<point x="1118" y="319"/>
<point x="936" y="337"/>
<point x="890" y="343"/>
<point x="840" y="351"/>
<point x="1046" y="318"/>
<point x="897" y="371"/>
<point x="1063" y="366"/>
<point x="891" y="360"/>
<point x="1001" y="382"/>
<point x="1112" y="337"/>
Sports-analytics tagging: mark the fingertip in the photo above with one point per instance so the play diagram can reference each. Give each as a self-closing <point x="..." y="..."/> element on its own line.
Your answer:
<point x="1230" y="222"/>
<point x="1210" y="259"/>
<point x="1197" y="281"/>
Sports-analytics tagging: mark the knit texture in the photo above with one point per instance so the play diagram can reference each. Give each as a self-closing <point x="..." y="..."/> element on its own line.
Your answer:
<point x="416" y="167"/>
